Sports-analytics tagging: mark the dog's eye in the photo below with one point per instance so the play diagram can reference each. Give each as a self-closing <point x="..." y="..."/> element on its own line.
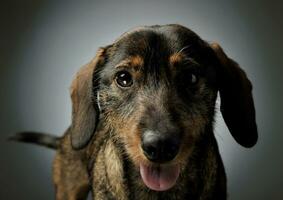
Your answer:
<point x="193" y="79"/>
<point x="124" y="79"/>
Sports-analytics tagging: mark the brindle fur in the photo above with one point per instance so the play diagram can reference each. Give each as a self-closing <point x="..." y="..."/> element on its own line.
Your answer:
<point x="101" y="151"/>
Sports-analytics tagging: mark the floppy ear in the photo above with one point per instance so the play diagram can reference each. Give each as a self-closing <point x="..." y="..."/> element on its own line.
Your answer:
<point x="237" y="105"/>
<point x="85" y="112"/>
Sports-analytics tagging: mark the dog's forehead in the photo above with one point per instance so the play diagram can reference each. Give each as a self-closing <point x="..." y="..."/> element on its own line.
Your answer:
<point x="156" y="42"/>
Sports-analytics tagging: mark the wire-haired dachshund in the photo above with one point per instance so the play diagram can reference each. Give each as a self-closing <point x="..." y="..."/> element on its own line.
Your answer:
<point x="142" y="119"/>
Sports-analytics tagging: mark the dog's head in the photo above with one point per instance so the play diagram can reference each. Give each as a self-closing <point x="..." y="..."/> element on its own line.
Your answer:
<point x="155" y="90"/>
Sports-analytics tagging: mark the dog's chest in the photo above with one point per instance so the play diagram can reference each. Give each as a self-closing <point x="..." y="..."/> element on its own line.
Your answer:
<point x="108" y="177"/>
<point x="115" y="178"/>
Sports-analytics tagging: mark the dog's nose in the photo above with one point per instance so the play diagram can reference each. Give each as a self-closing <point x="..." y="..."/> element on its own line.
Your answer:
<point x="160" y="147"/>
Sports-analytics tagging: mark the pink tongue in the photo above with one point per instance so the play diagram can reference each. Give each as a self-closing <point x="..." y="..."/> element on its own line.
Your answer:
<point x="159" y="178"/>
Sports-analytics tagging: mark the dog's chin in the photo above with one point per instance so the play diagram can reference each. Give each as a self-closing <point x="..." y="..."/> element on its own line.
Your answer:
<point x="160" y="177"/>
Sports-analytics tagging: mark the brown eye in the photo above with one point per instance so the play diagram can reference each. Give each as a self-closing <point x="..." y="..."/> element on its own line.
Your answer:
<point x="124" y="79"/>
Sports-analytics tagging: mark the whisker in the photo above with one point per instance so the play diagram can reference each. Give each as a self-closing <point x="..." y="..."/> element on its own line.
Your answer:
<point x="184" y="48"/>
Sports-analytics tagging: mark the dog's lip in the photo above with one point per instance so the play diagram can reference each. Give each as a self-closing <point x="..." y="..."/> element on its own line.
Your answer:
<point x="160" y="177"/>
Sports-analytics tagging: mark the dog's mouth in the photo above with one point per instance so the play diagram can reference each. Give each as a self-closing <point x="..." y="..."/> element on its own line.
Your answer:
<point x="161" y="177"/>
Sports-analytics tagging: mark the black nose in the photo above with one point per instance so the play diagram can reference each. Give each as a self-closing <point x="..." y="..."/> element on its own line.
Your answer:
<point x="160" y="147"/>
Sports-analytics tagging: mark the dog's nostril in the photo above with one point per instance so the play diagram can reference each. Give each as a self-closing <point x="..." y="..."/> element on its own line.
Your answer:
<point x="150" y="151"/>
<point x="171" y="149"/>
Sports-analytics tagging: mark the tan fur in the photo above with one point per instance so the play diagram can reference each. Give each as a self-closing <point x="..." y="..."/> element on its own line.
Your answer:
<point x="137" y="61"/>
<point x="108" y="163"/>
<point x="175" y="58"/>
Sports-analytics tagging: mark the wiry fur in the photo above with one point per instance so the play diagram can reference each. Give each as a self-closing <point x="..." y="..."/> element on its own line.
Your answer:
<point x="101" y="151"/>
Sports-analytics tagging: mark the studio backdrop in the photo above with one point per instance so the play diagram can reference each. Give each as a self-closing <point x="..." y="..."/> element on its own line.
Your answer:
<point x="44" y="43"/>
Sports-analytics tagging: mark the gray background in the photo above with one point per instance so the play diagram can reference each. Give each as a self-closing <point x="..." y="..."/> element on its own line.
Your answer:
<point x="43" y="44"/>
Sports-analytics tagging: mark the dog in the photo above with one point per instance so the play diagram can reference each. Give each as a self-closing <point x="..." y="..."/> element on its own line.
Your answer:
<point x="142" y="119"/>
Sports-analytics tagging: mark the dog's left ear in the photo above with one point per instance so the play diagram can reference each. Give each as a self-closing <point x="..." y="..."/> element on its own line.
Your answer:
<point x="237" y="105"/>
<point x="85" y="112"/>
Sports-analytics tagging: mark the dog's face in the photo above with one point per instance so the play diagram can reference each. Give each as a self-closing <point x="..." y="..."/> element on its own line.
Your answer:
<point x="155" y="90"/>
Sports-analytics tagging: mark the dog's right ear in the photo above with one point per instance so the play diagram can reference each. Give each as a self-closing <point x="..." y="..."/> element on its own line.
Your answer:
<point x="85" y="112"/>
<point x="237" y="104"/>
